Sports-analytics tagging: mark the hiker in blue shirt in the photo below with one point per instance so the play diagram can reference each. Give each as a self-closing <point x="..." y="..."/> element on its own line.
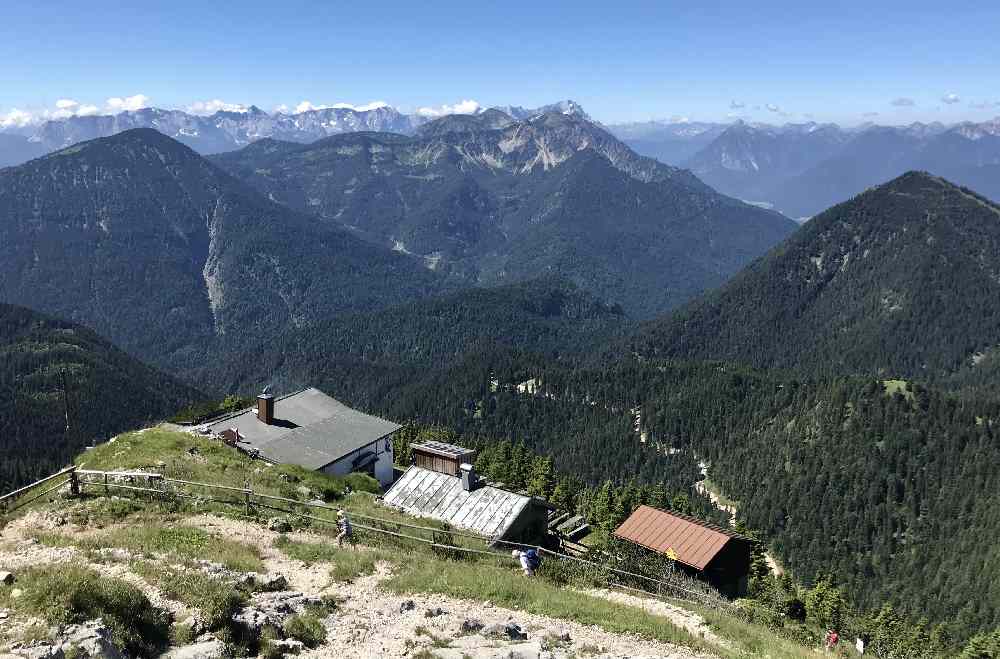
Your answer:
<point x="530" y="560"/>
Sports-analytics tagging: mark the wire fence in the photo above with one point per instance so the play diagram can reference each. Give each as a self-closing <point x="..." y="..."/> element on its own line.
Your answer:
<point x="679" y="587"/>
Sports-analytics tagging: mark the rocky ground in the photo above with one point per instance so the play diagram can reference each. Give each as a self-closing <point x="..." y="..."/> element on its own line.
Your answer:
<point x="369" y="621"/>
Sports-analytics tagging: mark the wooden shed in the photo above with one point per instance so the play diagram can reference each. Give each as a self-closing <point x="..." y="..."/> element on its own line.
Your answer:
<point x="705" y="550"/>
<point x="441" y="457"/>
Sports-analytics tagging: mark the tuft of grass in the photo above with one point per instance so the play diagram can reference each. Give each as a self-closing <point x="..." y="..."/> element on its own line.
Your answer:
<point x="436" y="641"/>
<point x="749" y="639"/>
<point x="74" y="594"/>
<point x="347" y="563"/>
<point x="508" y="588"/>
<point x="182" y="542"/>
<point x="181" y="634"/>
<point x="307" y="628"/>
<point x="216" y="599"/>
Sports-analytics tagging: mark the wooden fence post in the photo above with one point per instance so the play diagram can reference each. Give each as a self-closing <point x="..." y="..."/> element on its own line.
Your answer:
<point x="107" y="490"/>
<point x="248" y="492"/>
<point x="74" y="483"/>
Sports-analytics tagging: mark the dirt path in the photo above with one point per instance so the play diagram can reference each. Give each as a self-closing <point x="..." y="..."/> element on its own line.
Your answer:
<point x="699" y="487"/>
<point x="683" y="618"/>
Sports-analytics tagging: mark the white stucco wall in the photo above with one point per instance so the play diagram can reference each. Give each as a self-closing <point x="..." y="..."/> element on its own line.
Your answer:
<point x="383" y="466"/>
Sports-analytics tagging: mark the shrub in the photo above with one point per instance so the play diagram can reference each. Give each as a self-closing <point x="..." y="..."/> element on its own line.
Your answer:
<point x="307" y="628"/>
<point x="74" y="594"/>
<point x="217" y="600"/>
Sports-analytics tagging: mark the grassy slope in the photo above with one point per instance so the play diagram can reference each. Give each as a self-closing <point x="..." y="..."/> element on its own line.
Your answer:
<point x="153" y="530"/>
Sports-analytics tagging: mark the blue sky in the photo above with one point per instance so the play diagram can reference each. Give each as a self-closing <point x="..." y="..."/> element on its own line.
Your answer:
<point x="623" y="61"/>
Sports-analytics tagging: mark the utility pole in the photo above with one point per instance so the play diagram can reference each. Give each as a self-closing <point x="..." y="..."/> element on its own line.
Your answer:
<point x="65" y="389"/>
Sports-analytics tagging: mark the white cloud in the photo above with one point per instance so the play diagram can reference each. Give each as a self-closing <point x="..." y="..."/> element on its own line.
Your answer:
<point x="772" y="108"/>
<point x="87" y="110"/>
<point x="16" y="118"/>
<point x="736" y="105"/>
<point x="281" y="109"/>
<point x="129" y="103"/>
<point x="463" y="107"/>
<point x="213" y="106"/>
<point x="950" y="99"/>
<point x="308" y="106"/>
<point x="66" y="104"/>
<point x="677" y="119"/>
<point x="374" y="105"/>
<point x="903" y="102"/>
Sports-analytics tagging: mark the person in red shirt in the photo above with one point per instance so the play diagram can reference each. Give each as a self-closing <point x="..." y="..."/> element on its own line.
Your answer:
<point x="831" y="639"/>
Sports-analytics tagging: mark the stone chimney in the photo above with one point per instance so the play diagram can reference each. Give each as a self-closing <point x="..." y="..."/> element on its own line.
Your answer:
<point x="469" y="479"/>
<point x="265" y="407"/>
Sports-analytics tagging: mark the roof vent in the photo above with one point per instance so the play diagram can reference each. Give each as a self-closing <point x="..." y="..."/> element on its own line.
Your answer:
<point x="469" y="479"/>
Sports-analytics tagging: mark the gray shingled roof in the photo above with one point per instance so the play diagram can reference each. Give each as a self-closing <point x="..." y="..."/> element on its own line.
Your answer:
<point x="311" y="429"/>
<point x="487" y="511"/>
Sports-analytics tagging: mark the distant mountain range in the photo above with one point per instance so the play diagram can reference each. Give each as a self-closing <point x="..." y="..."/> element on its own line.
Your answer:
<point x="488" y="200"/>
<point x="228" y="130"/>
<point x="801" y="169"/>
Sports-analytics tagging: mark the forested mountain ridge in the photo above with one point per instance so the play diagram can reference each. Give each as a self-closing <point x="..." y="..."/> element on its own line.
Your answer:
<point x="151" y="245"/>
<point x="555" y="194"/>
<point x="889" y="488"/>
<point x="366" y="356"/>
<point x="53" y="372"/>
<point x="901" y="281"/>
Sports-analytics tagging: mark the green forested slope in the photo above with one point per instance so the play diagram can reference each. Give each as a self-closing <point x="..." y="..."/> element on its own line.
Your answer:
<point x="901" y="281"/>
<point x="891" y="488"/>
<point x="152" y="246"/>
<point x="366" y="356"/>
<point x="48" y="368"/>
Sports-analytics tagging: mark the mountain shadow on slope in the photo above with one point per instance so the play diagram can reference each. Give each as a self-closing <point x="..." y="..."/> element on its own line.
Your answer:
<point x="54" y="373"/>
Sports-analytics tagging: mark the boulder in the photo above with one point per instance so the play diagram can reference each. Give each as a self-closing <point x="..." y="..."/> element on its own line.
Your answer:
<point x="7" y="578"/>
<point x="558" y="634"/>
<point x="508" y="630"/>
<point x="206" y="647"/>
<point x="471" y="625"/>
<point x="255" y="618"/>
<point x="46" y="651"/>
<point x="272" y="582"/>
<point x="279" y="525"/>
<point x="288" y="646"/>
<point x="17" y="592"/>
<point x="434" y="612"/>
<point x="282" y="603"/>
<point x="406" y="605"/>
<point x="91" y="640"/>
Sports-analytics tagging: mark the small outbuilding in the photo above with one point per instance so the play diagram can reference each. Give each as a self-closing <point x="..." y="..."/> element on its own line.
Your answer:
<point x="704" y="550"/>
<point x="316" y="431"/>
<point x="463" y="500"/>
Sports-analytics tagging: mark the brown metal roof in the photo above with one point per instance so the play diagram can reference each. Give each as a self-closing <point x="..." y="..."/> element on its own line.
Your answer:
<point x="694" y="542"/>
